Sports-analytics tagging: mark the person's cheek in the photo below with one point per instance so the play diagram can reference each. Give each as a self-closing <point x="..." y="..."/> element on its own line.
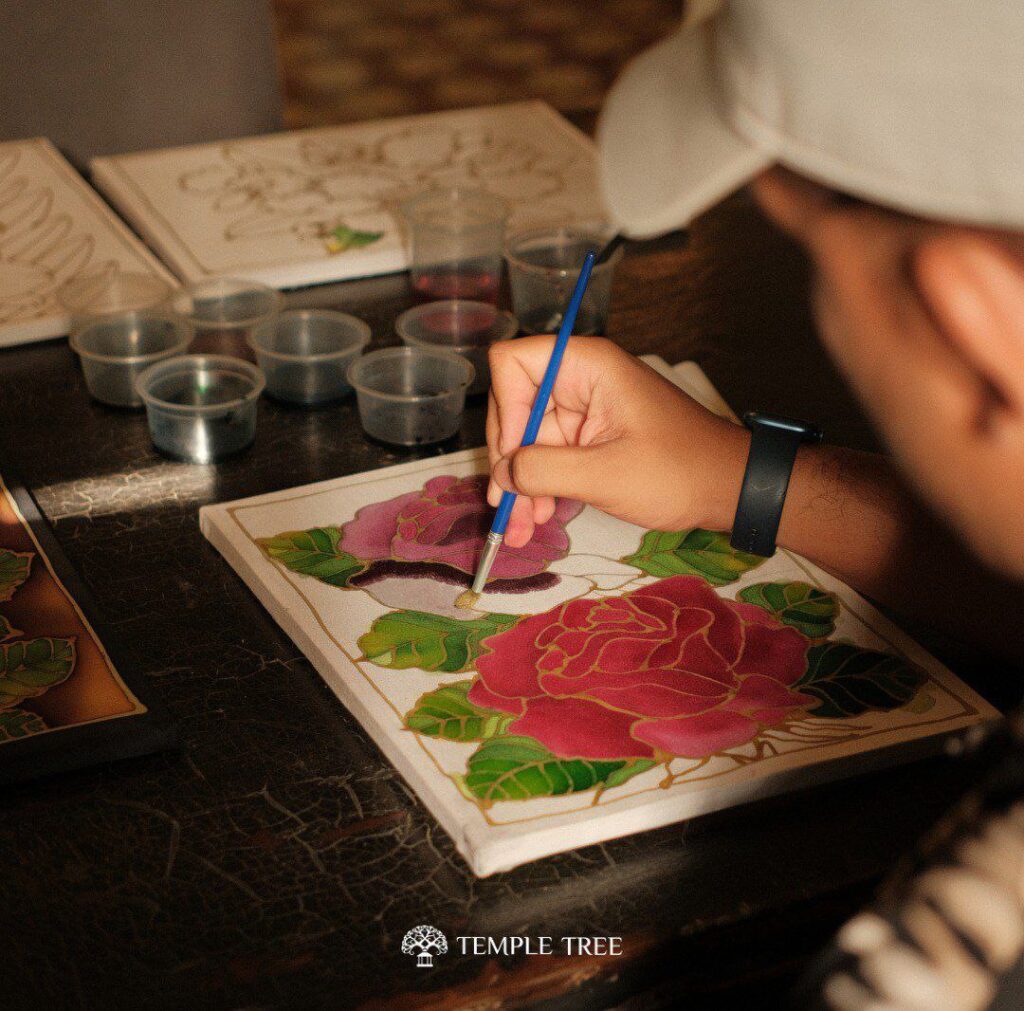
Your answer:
<point x="832" y="330"/>
<point x="869" y="349"/>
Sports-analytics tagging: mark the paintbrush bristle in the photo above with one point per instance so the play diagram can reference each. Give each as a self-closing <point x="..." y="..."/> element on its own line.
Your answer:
<point x="467" y="600"/>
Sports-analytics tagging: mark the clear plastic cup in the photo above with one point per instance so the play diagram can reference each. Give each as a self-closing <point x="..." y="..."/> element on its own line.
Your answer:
<point x="110" y="291"/>
<point x="459" y="325"/>
<point x="455" y="238"/>
<point x="305" y="354"/>
<point x="224" y="312"/>
<point x="201" y="408"/>
<point x="115" y="350"/>
<point x="411" y="396"/>
<point x="543" y="266"/>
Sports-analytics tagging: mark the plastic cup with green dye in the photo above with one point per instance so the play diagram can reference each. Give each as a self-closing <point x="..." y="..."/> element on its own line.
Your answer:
<point x="201" y="408"/>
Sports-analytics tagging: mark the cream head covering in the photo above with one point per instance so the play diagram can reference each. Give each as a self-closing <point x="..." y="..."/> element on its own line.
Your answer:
<point x="914" y="104"/>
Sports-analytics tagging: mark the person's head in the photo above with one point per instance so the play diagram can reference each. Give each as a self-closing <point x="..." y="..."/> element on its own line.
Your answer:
<point x="914" y="109"/>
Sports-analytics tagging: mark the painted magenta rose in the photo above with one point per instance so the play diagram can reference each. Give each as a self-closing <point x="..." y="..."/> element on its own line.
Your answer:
<point x="669" y="669"/>
<point x="446" y="522"/>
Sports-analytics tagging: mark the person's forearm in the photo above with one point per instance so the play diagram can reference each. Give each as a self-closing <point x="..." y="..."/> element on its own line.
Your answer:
<point x="850" y="513"/>
<point x="846" y="511"/>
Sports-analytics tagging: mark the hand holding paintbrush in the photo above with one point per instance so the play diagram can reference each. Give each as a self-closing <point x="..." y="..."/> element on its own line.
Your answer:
<point x="623" y="439"/>
<point x="497" y="533"/>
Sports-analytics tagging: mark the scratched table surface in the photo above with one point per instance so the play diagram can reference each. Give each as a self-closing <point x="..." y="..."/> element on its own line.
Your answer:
<point x="278" y="859"/>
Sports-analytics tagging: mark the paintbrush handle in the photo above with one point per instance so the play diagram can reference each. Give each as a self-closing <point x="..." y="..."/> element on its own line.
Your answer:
<point x="547" y="384"/>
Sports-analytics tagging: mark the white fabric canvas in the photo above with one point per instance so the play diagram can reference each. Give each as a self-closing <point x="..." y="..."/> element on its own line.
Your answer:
<point x="263" y="207"/>
<point x="505" y="779"/>
<point x="53" y="227"/>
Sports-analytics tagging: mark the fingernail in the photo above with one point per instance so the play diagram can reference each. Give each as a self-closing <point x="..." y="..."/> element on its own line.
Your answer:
<point x="502" y="474"/>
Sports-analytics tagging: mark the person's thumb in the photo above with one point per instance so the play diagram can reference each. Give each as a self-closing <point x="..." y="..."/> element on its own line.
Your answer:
<point x="579" y="472"/>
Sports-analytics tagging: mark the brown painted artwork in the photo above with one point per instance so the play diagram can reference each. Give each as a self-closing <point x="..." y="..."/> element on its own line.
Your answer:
<point x="54" y="672"/>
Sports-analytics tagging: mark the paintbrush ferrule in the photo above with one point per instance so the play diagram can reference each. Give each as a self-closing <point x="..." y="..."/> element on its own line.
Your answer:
<point x="491" y="546"/>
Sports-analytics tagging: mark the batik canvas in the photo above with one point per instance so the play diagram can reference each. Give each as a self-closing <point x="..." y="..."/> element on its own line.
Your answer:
<point x="320" y="205"/>
<point x="611" y="679"/>
<point x="64" y="701"/>
<point x="53" y="227"/>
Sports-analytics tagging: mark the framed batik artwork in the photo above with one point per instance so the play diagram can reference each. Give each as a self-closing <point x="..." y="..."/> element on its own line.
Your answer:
<point x="65" y="699"/>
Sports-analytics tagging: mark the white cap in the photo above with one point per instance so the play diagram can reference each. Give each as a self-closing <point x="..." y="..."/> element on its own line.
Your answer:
<point x="915" y="104"/>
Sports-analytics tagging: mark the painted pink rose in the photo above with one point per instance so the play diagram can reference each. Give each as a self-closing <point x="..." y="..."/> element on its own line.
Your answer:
<point x="446" y="523"/>
<point x="669" y="669"/>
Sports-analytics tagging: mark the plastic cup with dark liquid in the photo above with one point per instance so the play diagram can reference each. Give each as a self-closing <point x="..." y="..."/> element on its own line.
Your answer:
<point x="542" y="269"/>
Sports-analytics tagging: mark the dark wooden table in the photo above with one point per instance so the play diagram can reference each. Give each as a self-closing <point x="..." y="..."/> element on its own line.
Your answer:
<point x="279" y="859"/>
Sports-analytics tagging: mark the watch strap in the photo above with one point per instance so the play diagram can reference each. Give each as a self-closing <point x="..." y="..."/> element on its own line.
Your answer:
<point x="773" y="447"/>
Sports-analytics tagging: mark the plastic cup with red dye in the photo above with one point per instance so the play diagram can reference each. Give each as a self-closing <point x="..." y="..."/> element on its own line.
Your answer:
<point x="466" y="327"/>
<point x="455" y="243"/>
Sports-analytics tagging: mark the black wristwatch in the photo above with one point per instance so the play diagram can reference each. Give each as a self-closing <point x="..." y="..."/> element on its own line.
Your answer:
<point x="773" y="445"/>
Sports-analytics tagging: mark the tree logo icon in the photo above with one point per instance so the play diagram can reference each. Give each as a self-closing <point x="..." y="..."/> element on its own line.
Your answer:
<point x="424" y="942"/>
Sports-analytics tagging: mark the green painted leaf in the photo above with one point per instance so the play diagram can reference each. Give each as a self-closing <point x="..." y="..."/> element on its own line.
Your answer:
<point x="7" y="630"/>
<point x="694" y="552"/>
<point x="517" y="768"/>
<point x="805" y="607"/>
<point x="315" y="553"/>
<point x="30" y="667"/>
<point x="401" y="639"/>
<point x="341" y="238"/>
<point x="628" y="771"/>
<point x="15" y="723"/>
<point x="447" y="713"/>
<point x="14" y="570"/>
<point x="849" y="680"/>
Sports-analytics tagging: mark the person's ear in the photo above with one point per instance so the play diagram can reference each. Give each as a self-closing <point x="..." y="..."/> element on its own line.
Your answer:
<point x="974" y="288"/>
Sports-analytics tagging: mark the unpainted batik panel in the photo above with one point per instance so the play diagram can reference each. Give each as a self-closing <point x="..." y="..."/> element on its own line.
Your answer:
<point x="318" y="205"/>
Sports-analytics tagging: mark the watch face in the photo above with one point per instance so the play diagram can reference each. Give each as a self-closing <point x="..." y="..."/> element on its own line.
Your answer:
<point x="804" y="429"/>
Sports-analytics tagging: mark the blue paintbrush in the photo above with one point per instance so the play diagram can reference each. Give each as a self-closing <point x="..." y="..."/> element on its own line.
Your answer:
<point x="540" y="405"/>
